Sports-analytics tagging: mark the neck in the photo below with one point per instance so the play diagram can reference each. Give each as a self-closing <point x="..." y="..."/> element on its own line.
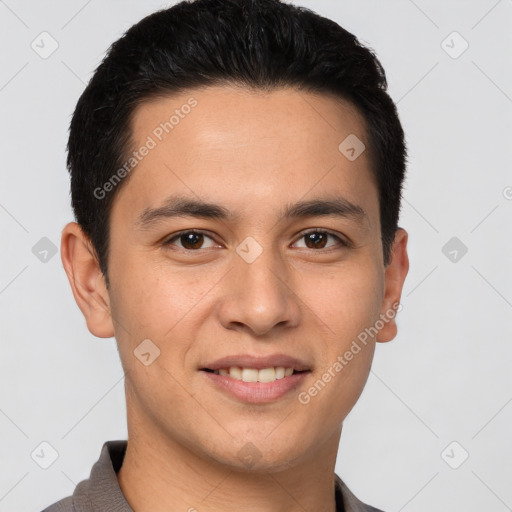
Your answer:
<point x="160" y="474"/>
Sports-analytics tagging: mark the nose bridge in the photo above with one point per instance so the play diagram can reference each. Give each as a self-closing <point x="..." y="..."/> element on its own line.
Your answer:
<point x="261" y="274"/>
<point x="258" y="267"/>
<point x="260" y="296"/>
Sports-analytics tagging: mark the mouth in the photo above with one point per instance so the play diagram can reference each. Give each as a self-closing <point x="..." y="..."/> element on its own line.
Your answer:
<point x="257" y="386"/>
<point x="257" y="379"/>
<point x="263" y="375"/>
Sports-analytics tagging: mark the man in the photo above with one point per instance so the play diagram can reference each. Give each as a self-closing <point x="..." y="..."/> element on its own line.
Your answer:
<point x="236" y="173"/>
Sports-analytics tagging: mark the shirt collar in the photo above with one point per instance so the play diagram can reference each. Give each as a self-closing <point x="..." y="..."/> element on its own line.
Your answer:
<point x="102" y="491"/>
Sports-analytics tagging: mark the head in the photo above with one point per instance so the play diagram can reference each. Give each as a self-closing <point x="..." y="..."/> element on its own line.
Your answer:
<point x="220" y="116"/>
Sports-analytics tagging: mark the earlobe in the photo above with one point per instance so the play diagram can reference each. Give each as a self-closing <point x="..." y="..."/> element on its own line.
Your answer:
<point x="395" y="274"/>
<point x="87" y="282"/>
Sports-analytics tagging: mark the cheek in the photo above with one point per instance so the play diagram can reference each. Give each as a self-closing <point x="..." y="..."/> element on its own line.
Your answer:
<point x="345" y="301"/>
<point x="330" y="398"/>
<point x="155" y="296"/>
<point x="348" y="306"/>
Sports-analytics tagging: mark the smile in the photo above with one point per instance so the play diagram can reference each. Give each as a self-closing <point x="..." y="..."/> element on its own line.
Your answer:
<point x="254" y="375"/>
<point x="253" y="385"/>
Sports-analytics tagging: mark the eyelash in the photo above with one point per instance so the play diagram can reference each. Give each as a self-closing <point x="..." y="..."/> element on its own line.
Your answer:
<point x="341" y="242"/>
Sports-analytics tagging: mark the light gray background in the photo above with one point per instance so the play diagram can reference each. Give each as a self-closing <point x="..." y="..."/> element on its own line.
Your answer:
<point x="446" y="377"/>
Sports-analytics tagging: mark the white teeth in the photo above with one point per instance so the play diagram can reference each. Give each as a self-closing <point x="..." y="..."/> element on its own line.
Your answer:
<point x="254" y="375"/>
<point x="250" y="375"/>
<point x="235" y="373"/>
<point x="267" y="375"/>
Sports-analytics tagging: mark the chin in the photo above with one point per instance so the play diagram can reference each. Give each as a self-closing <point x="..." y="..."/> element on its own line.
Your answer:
<point x="257" y="455"/>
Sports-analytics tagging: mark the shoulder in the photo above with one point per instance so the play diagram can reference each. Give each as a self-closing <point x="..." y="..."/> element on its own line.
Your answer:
<point x="350" y="502"/>
<point x="64" y="505"/>
<point x="101" y="484"/>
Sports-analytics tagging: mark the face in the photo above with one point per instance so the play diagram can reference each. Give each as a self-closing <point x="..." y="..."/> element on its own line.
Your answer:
<point x="253" y="280"/>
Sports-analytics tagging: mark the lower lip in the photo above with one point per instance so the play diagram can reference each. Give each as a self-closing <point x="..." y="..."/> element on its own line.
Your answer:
<point x="256" y="392"/>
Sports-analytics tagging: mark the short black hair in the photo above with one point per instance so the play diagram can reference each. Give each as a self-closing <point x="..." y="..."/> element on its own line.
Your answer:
<point x="258" y="44"/>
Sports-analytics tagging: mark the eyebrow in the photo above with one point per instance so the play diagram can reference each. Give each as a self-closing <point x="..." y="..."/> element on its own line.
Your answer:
<point x="180" y="206"/>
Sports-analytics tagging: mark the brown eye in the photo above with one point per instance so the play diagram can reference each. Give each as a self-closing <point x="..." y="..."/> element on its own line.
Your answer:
<point x="189" y="240"/>
<point x="318" y="239"/>
<point x="192" y="240"/>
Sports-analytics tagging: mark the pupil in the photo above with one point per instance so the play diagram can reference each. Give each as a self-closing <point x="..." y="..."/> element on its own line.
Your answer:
<point x="192" y="239"/>
<point x="318" y="239"/>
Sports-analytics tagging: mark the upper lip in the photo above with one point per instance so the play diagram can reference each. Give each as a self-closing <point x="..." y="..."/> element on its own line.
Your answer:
<point x="257" y="362"/>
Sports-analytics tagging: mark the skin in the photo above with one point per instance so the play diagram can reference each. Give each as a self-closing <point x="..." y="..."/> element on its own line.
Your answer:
<point x="253" y="153"/>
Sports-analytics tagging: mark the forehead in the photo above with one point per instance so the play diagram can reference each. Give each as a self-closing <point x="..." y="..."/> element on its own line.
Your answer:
<point x="245" y="148"/>
<point x="236" y="116"/>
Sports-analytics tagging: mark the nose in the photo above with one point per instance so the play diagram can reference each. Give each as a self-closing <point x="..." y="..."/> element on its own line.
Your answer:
<point x="259" y="296"/>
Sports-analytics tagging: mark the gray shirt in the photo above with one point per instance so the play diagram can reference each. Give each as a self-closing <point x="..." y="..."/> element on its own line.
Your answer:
<point x="101" y="491"/>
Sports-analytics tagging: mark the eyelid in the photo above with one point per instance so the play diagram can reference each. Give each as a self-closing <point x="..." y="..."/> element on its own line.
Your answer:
<point x="341" y="241"/>
<point x="167" y="241"/>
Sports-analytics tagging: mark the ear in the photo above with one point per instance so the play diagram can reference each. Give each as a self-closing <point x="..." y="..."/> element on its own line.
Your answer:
<point x="86" y="280"/>
<point x="394" y="278"/>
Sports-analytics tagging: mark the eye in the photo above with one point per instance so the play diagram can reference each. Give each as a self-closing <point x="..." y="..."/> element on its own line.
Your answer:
<point x="194" y="240"/>
<point x="317" y="239"/>
<point x="190" y="240"/>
